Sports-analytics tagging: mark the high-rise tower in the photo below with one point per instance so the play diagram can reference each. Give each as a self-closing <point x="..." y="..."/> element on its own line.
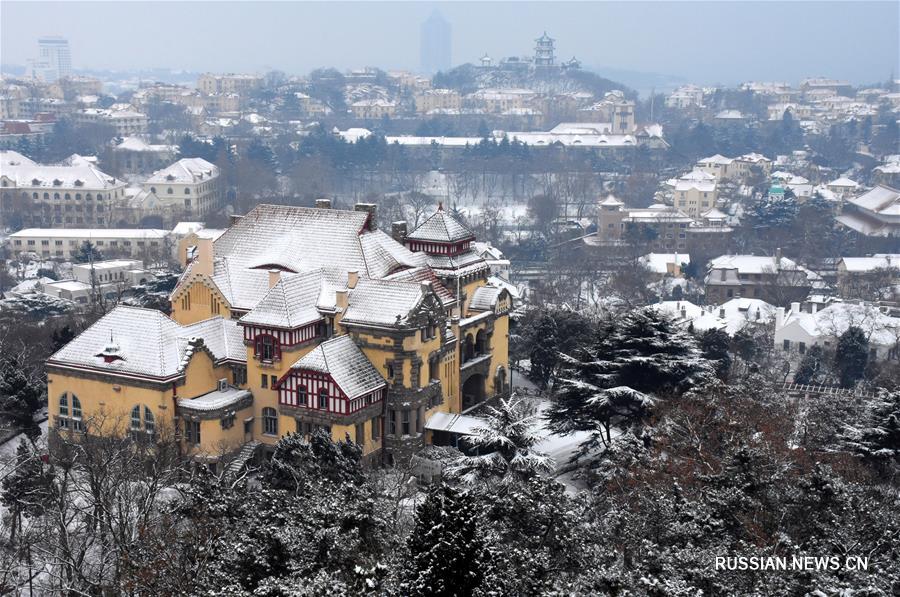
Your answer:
<point x="435" y="44"/>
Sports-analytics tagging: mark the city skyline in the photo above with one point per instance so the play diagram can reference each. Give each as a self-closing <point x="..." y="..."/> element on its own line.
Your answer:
<point x="299" y="40"/>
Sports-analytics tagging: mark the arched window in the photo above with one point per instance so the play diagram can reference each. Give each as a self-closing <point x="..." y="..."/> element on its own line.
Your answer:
<point x="70" y="413"/>
<point x="46" y="196"/>
<point x="34" y="195"/>
<point x="99" y="196"/>
<point x="63" y="420"/>
<point x="267" y="348"/>
<point x="88" y="197"/>
<point x="68" y="197"/>
<point x="136" y="418"/>
<point x="323" y="398"/>
<point x="169" y="191"/>
<point x="153" y="190"/>
<point x="301" y="395"/>
<point x="270" y="421"/>
<point x="56" y="196"/>
<point x="187" y="191"/>
<point x="77" y="196"/>
<point x="149" y="421"/>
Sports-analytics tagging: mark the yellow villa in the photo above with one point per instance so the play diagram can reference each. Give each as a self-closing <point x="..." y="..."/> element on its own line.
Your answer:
<point x="296" y="319"/>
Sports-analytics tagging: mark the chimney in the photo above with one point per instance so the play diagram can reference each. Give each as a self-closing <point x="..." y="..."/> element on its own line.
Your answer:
<point x="814" y="307"/>
<point x="323" y="203"/>
<point x="722" y="312"/>
<point x="340" y="301"/>
<point x="795" y="307"/>
<point x="398" y="231"/>
<point x="234" y="219"/>
<point x="274" y="276"/>
<point x="779" y="318"/>
<point x="370" y="209"/>
<point x="778" y="259"/>
<point x="426" y="287"/>
<point x="203" y="257"/>
<point x="352" y="278"/>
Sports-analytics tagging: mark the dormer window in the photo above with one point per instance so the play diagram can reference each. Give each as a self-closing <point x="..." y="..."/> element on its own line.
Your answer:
<point x="57" y="182"/>
<point x="170" y="177"/>
<point x="35" y="182"/>
<point x="79" y="183"/>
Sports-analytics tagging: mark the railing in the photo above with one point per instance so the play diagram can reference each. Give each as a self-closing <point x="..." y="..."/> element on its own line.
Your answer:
<point x="823" y="390"/>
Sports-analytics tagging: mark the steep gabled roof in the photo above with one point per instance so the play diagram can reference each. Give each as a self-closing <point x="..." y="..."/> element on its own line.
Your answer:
<point x="145" y="342"/>
<point x="441" y="227"/>
<point x="345" y="363"/>
<point x="296" y="299"/>
<point x="382" y="302"/>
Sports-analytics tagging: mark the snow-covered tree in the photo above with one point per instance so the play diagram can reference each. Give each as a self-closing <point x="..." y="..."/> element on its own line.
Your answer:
<point x="851" y="356"/>
<point x="812" y="367"/>
<point x="26" y="490"/>
<point x="448" y="553"/>
<point x="615" y="382"/>
<point x="876" y="437"/>
<point x="505" y="446"/>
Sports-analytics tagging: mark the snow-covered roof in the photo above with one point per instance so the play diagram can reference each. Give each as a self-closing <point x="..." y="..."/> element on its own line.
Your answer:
<point x="425" y="274"/>
<point x="296" y="299"/>
<point x="146" y="343"/>
<point x="82" y="175"/>
<point x="881" y="199"/>
<point x="302" y="238"/>
<point x="867" y="264"/>
<point x="382" y="302"/>
<point x="441" y="227"/>
<point x="102" y="233"/>
<point x="485" y="298"/>
<point x="185" y="171"/>
<point x="611" y="201"/>
<point x="717" y="159"/>
<point x="343" y="360"/>
<point x="730" y="316"/>
<point x="453" y="423"/>
<point x="215" y="400"/>
<point x="843" y="182"/>
<point x="836" y="318"/>
<point x="185" y="228"/>
<point x="139" y="145"/>
<point x="659" y="262"/>
<point x="752" y="264"/>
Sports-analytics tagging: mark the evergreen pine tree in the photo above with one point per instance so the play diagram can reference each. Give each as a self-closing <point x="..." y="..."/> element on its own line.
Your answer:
<point x="851" y="356"/>
<point x="544" y="350"/>
<point x="714" y="344"/>
<point x="26" y="490"/>
<point x="448" y="554"/>
<point x="811" y="367"/>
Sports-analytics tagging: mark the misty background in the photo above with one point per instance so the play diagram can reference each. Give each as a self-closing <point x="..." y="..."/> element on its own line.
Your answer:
<point x="642" y="44"/>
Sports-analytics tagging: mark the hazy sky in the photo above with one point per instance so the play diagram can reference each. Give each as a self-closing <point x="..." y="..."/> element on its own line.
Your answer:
<point x="704" y="42"/>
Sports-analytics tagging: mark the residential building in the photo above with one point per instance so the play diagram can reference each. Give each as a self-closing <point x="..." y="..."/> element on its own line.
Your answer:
<point x="297" y="319"/>
<point x="126" y="122"/>
<point x="371" y="109"/>
<point x="65" y="243"/>
<point x="843" y="187"/>
<point x="869" y="278"/>
<point x="774" y="279"/>
<point x="241" y="84"/>
<point x="441" y="100"/>
<point x="686" y="96"/>
<point x="796" y="330"/>
<point x="874" y="213"/>
<point x="695" y="193"/>
<point x="659" y="228"/>
<point x="134" y="155"/>
<point x="79" y="194"/>
<point x="189" y="187"/>
<point x="730" y="317"/>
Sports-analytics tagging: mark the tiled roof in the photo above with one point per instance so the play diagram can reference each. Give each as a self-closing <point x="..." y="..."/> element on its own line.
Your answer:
<point x="881" y="200"/>
<point x="214" y="400"/>
<point x="425" y="274"/>
<point x="441" y="227"/>
<point x="185" y="170"/>
<point x="484" y="298"/>
<point x="382" y="302"/>
<point x="146" y="342"/>
<point x="345" y="363"/>
<point x="296" y="299"/>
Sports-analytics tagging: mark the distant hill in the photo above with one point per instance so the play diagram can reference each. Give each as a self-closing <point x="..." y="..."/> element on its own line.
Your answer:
<point x="468" y="78"/>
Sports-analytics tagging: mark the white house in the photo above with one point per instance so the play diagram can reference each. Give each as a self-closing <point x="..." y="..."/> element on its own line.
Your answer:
<point x="797" y="330"/>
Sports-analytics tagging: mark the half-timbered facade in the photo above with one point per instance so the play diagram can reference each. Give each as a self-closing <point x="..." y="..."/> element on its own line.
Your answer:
<point x="339" y="325"/>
